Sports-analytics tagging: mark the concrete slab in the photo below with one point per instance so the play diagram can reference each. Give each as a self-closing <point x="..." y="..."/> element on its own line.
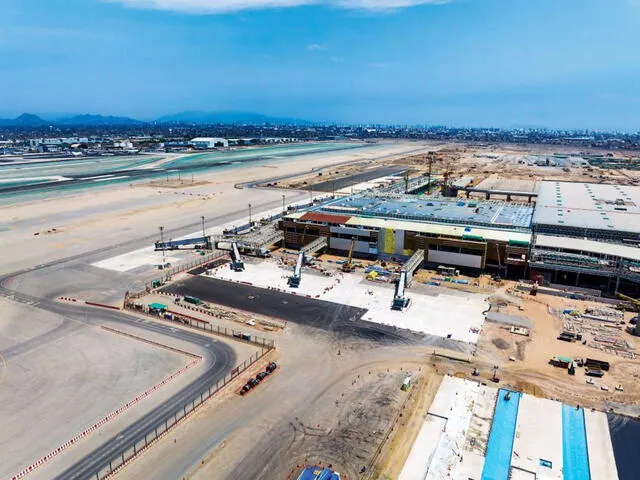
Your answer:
<point x="538" y="440"/>
<point x="439" y="313"/>
<point x="423" y="449"/>
<point x="448" y="452"/>
<point x="481" y="420"/>
<point x="438" y="451"/>
<point x="146" y="256"/>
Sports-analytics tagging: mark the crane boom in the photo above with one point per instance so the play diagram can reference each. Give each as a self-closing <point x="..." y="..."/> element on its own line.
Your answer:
<point x="348" y="266"/>
<point x="622" y="296"/>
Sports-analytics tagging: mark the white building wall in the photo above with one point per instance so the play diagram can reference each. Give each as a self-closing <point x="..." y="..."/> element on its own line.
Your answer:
<point x="458" y="259"/>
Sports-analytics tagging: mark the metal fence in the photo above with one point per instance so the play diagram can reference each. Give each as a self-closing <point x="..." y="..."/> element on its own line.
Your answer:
<point x="171" y="420"/>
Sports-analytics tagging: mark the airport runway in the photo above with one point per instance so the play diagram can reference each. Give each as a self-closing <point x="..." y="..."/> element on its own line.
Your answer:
<point x="129" y="175"/>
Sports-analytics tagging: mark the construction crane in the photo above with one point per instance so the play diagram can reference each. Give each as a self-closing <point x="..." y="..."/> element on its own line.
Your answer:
<point x="432" y="156"/>
<point x="622" y="296"/>
<point x="348" y="265"/>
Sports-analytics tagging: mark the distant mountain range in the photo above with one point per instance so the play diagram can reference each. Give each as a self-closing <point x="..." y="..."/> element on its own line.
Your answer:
<point x="195" y="118"/>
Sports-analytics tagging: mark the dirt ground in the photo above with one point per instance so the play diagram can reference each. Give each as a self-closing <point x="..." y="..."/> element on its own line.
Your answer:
<point x="531" y="368"/>
<point x="509" y="162"/>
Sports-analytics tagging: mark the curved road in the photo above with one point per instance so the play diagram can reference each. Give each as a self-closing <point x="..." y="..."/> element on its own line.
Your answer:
<point x="219" y="358"/>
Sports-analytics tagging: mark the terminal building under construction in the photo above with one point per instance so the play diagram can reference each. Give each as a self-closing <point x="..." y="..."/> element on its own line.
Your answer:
<point x="575" y="233"/>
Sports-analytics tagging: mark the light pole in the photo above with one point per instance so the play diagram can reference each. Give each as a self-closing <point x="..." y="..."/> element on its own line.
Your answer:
<point x="283" y="205"/>
<point x="203" y="232"/>
<point x="250" y="215"/>
<point x="162" y="242"/>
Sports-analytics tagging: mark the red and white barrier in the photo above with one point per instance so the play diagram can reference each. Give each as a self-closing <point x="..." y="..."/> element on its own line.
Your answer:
<point x="104" y="420"/>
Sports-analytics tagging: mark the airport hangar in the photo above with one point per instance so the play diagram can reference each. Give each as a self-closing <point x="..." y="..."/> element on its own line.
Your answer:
<point x="577" y="233"/>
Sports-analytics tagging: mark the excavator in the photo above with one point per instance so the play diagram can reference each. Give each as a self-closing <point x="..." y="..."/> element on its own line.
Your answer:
<point x="348" y="265"/>
<point x="636" y="303"/>
<point x="626" y="298"/>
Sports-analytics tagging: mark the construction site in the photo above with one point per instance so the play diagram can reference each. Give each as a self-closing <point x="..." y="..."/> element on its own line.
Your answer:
<point x="406" y="315"/>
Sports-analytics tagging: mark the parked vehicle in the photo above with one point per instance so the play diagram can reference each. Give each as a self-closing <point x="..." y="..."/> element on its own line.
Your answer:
<point x="271" y="367"/>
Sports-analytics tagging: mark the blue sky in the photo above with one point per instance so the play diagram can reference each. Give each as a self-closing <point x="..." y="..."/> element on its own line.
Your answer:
<point x="554" y="63"/>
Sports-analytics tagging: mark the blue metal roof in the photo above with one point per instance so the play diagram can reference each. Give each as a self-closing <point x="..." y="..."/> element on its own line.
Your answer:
<point x="434" y="209"/>
<point x="318" y="473"/>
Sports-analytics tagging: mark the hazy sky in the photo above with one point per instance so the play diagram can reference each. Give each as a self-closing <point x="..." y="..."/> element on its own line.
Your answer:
<point x="556" y="63"/>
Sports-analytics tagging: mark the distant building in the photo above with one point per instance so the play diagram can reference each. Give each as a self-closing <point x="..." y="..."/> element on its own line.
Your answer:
<point x="204" y="143"/>
<point x="59" y="142"/>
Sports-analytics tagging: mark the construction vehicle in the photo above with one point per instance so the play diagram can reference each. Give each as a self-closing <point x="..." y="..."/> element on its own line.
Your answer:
<point x="636" y="303"/>
<point x="271" y="367"/>
<point x="448" y="271"/>
<point x="348" y="266"/>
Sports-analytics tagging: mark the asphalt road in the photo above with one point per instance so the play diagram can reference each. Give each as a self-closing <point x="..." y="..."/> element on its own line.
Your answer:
<point x="219" y="359"/>
<point x="331" y="317"/>
<point x="338" y="183"/>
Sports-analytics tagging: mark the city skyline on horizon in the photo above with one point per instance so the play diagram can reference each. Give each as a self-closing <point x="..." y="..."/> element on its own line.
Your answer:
<point x="474" y="63"/>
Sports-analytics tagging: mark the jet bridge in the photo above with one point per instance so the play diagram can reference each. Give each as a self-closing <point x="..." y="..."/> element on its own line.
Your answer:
<point x="254" y="244"/>
<point x="294" y="280"/>
<point x="411" y="265"/>
<point x="236" y="262"/>
<point x="399" y="300"/>
<point x="313" y="247"/>
<point x="205" y="242"/>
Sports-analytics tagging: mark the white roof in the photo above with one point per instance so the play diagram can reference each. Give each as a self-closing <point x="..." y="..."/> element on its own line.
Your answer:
<point x="589" y="205"/>
<point x="591" y="246"/>
<point x="441" y="229"/>
<point x="208" y="139"/>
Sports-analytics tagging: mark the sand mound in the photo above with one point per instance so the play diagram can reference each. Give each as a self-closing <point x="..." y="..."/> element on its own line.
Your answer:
<point x="501" y="343"/>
